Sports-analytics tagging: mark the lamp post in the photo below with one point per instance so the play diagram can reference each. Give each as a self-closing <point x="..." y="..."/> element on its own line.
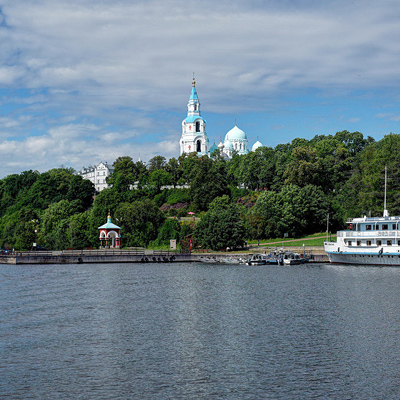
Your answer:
<point x="34" y="247"/>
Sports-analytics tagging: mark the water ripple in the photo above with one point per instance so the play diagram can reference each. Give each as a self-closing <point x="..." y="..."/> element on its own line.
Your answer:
<point x="192" y="331"/>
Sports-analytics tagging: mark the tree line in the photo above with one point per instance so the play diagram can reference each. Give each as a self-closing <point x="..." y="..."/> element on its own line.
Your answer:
<point x="271" y="192"/>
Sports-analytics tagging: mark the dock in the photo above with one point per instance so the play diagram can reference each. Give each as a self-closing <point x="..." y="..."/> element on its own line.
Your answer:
<point x="121" y="256"/>
<point x="93" y="257"/>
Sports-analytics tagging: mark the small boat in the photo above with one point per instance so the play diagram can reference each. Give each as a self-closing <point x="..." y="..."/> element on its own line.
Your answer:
<point x="263" y="259"/>
<point x="231" y="260"/>
<point x="208" y="260"/>
<point x="292" y="259"/>
<point x="256" y="259"/>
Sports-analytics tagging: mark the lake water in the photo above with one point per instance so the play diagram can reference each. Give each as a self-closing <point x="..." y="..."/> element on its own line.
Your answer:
<point x="199" y="331"/>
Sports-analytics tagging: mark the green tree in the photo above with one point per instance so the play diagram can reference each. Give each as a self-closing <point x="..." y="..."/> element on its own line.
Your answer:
<point x="293" y="210"/>
<point x="78" y="233"/>
<point x="171" y="229"/>
<point x="221" y="227"/>
<point x="139" y="222"/>
<point x="157" y="162"/>
<point x="159" y="178"/>
<point x="187" y="163"/>
<point x="54" y="224"/>
<point x="124" y="175"/>
<point x="209" y="180"/>
<point x="174" y="170"/>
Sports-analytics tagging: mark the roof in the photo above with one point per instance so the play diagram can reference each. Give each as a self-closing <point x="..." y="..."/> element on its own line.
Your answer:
<point x="228" y="144"/>
<point x="235" y="133"/>
<point x="193" y="118"/>
<point x="193" y="94"/>
<point x="256" y="145"/>
<point x="213" y="148"/>
<point x="109" y="225"/>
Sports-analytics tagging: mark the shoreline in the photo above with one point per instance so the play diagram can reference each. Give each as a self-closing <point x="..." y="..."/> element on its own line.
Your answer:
<point x="128" y="256"/>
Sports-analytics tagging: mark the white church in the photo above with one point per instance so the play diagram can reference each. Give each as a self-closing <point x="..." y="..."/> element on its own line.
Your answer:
<point x="194" y="134"/>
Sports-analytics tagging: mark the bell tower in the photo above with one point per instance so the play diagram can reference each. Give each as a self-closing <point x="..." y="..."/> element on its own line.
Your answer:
<point x="194" y="137"/>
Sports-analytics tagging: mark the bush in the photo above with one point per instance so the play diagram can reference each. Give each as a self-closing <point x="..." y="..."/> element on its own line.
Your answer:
<point x="171" y="229"/>
<point x="161" y="198"/>
<point x="178" y="196"/>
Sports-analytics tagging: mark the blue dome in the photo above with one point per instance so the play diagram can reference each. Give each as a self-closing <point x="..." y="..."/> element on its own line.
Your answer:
<point x="213" y="148"/>
<point x="235" y="133"/>
<point x="228" y="144"/>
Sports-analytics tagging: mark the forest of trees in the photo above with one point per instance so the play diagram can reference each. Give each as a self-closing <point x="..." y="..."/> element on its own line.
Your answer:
<point x="288" y="189"/>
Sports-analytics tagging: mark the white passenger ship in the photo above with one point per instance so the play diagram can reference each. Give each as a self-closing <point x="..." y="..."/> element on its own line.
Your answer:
<point x="374" y="241"/>
<point x="368" y="240"/>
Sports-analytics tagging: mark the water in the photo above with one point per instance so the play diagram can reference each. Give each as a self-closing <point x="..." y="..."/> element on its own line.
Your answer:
<point x="194" y="331"/>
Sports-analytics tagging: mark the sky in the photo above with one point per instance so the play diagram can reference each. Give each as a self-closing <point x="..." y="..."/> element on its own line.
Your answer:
<point x="84" y="81"/>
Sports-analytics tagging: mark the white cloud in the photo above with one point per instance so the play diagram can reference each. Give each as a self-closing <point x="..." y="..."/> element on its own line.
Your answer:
<point x="389" y="116"/>
<point x="97" y="75"/>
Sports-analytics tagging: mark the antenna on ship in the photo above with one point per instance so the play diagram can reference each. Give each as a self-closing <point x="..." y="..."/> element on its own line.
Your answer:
<point x="385" y="211"/>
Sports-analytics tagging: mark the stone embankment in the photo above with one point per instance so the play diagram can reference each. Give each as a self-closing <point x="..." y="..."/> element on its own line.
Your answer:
<point x="137" y="256"/>
<point x="93" y="256"/>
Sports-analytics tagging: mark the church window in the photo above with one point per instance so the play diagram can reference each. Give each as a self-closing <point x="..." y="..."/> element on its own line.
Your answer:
<point x="197" y="126"/>
<point x="198" y="146"/>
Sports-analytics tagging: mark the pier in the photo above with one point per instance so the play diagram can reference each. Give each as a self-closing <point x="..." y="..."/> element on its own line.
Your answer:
<point x="121" y="256"/>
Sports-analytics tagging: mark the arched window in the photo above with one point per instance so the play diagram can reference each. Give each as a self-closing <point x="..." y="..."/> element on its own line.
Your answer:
<point x="197" y="126"/>
<point x="198" y="146"/>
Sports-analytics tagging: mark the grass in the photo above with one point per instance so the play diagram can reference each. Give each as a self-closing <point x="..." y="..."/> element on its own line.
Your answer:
<point x="316" y="239"/>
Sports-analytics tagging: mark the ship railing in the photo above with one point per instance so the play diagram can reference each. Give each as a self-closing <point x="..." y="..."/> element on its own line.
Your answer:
<point x="367" y="234"/>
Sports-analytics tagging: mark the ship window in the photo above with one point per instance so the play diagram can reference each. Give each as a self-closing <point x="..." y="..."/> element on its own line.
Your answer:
<point x="358" y="242"/>
<point x="384" y="227"/>
<point x="394" y="226"/>
<point x="368" y="227"/>
<point x="369" y="243"/>
<point x="398" y="243"/>
<point x="389" y="242"/>
<point x="349" y="243"/>
<point x="379" y="242"/>
<point x="377" y="227"/>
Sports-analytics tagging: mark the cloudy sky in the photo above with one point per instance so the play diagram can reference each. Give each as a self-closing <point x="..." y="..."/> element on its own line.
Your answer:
<point x="83" y="81"/>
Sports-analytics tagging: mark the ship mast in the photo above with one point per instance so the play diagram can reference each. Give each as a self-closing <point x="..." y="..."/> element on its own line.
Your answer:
<point x="385" y="211"/>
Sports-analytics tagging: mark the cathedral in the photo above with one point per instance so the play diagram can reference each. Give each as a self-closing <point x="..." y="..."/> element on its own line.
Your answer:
<point x="194" y="134"/>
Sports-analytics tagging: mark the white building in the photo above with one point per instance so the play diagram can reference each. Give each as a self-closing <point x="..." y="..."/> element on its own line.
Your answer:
<point x="194" y="136"/>
<point x="97" y="175"/>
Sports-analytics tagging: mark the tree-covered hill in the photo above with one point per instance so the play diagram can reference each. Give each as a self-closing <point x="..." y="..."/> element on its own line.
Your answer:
<point x="288" y="189"/>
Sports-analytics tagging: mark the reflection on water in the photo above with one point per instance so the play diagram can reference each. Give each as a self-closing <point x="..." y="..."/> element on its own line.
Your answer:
<point x="195" y="331"/>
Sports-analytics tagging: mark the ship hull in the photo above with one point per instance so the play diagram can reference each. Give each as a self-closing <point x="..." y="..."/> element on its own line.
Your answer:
<point x="365" y="259"/>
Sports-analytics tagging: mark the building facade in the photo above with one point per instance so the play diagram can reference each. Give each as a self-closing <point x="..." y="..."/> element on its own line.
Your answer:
<point x="194" y="135"/>
<point x="110" y="236"/>
<point x="97" y="175"/>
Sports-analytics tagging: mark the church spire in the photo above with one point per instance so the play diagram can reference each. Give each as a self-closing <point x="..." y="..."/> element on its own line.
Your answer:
<point x="194" y="136"/>
<point x="193" y="94"/>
